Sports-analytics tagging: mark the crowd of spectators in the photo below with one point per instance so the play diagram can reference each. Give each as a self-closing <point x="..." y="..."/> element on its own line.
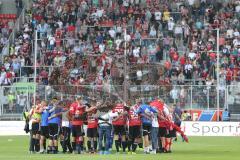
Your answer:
<point x="166" y="42"/>
<point x="9" y="64"/>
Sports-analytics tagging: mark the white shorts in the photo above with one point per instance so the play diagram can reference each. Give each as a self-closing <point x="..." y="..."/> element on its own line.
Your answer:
<point x="65" y="124"/>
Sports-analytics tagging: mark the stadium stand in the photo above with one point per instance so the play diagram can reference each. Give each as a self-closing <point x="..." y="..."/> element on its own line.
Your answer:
<point x="81" y="42"/>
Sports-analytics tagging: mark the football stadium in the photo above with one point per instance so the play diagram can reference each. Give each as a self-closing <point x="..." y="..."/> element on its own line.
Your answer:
<point x="119" y="79"/>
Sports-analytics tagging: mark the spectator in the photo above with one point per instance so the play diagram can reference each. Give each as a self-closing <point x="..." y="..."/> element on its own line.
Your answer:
<point x="11" y="98"/>
<point x="19" y="6"/>
<point x="84" y="35"/>
<point x="22" y="103"/>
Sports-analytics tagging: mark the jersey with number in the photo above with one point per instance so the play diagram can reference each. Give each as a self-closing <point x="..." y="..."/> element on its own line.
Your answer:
<point x="165" y="113"/>
<point x="119" y="108"/>
<point x="76" y="110"/>
<point x="134" y="119"/>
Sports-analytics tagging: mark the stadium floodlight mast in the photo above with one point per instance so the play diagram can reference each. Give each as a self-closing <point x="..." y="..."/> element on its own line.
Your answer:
<point x="218" y="70"/>
<point x="125" y="66"/>
<point x="218" y="74"/>
<point x="35" y="68"/>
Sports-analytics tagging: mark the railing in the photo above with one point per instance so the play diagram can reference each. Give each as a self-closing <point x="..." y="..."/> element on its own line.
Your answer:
<point x="23" y="72"/>
<point x="19" y="97"/>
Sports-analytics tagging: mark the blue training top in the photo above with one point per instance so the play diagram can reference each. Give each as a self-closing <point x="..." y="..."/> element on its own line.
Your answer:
<point x="143" y="109"/>
<point x="44" y="118"/>
<point x="56" y="119"/>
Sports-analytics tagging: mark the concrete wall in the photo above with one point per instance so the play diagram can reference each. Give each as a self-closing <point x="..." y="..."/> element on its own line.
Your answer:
<point x="9" y="7"/>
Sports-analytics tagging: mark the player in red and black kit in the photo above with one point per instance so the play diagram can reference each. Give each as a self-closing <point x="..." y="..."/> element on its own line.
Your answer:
<point x="134" y="123"/>
<point x="76" y="112"/>
<point x="159" y="105"/>
<point x="119" y="123"/>
<point x="92" y="127"/>
<point x="162" y="133"/>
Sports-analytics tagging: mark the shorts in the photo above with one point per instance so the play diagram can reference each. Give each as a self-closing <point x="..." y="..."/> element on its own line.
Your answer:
<point x="134" y="132"/>
<point x="35" y="128"/>
<point x="44" y="131"/>
<point x="146" y="129"/>
<point x="65" y="124"/>
<point x="162" y="132"/>
<point x="92" y="132"/>
<point x="119" y="130"/>
<point x="77" y="131"/>
<point x="53" y="129"/>
<point x="171" y="134"/>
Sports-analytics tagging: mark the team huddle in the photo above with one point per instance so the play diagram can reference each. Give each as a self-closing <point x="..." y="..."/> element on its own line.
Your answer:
<point x="99" y="124"/>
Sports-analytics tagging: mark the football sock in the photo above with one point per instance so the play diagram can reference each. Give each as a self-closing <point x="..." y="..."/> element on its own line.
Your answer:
<point x="140" y="145"/>
<point x="32" y="145"/>
<point x="69" y="147"/>
<point x="89" y="145"/>
<point x="124" y="145"/>
<point x="81" y="145"/>
<point x="95" y="145"/>
<point x="62" y="144"/>
<point x="53" y="149"/>
<point x="129" y="145"/>
<point x="37" y="145"/>
<point x="49" y="149"/>
<point x="44" y="144"/>
<point x="134" y="147"/>
<point x="117" y="143"/>
<point x="74" y="145"/>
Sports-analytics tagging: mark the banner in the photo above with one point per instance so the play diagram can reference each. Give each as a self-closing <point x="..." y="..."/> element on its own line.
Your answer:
<point x="206" y="115"/>
<point x="25" y="87"/>
<point x="211" y="128"/>
<point x="190" y="128"/>
<point x="12" y="128"/>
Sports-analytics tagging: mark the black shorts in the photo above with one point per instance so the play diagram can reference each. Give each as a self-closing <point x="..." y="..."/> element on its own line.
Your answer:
<point x="171" y="133"/>
<point x="35" y="128"/>
<point x="53" y="129"/>
<point x="77" y="131"/>
<point x="134" y="132"/>
<point x="44" y="131"/>
<point x="146" y="129"/>
<point x="92" y="132"/>
<point x="119" y="130"/>
<point x="162" y="132"/>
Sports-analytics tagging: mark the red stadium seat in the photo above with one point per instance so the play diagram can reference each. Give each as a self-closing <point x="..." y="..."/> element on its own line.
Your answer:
<point x="14" y="16"/>
<point x="1" y="16"/>
<point x="4" y="21"/>
<point x="7" y="16"/>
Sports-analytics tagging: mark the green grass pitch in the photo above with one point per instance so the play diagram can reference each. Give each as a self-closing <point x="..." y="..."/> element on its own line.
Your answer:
<point x="199" y="148"/>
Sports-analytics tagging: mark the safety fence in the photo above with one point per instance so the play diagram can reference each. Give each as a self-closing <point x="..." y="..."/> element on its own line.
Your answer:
<point x="20" y="97"/>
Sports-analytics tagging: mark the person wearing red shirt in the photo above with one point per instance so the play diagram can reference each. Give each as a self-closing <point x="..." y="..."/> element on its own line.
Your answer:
<point x="92" y="127"/>
<point x="119" y="126"/>
<point x="134" y="123"/>
<point x="58" y="42"/>
<point x="76" y="113"/>
<point x="44" y="76"/>
<point x="71" y="28"/>
<point x="159" y="105"/>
